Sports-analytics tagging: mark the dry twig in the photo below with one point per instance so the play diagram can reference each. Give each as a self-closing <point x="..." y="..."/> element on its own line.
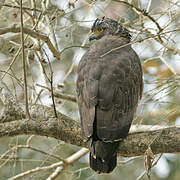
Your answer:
<point x="59" y="165"/>
<point x="24" y="66"/>
<point x="33" y="34"/>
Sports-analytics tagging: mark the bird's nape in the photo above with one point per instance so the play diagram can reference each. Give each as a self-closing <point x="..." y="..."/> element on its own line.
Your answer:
<point x="105" y="26"/>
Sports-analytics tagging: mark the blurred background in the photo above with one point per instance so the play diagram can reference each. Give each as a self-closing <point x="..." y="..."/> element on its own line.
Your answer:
<point x="67" y="23"/>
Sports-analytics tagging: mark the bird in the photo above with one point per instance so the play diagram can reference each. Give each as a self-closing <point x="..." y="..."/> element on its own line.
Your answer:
<point x="109" y="86"/>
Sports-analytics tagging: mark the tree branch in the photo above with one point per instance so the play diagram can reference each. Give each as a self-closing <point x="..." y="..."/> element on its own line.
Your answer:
<point x="24" y="66"/>
<point x="60" y="95"/>
<point x="166" y="140"/>
<point x="17" y="7"/>
<point x="59" y="166"/>
<point x="160" y="29"/>
<point x="34" y="34"/>
<point x="43" y="123"/>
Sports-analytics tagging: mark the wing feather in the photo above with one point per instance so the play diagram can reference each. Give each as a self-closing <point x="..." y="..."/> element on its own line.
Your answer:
<point x="108" y="89"/>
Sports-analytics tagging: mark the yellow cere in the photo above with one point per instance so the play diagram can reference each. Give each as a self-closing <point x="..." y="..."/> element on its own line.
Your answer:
<point x="97" y="32"/>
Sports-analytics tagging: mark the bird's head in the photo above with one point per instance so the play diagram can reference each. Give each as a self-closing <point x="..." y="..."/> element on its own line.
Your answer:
<point x="106" y="26"/>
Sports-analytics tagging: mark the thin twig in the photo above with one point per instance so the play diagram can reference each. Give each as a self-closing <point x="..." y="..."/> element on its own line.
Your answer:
<point x="20" y="48"/>
<point x="167" y="64"/>
<point x="24" y="66"/>
<point x="38" y="96"/>
<point x="128" y="160"/>
<point x="73" y="61"/>
<point x="60" y="95"/>
<point x="45" y="5"/>
<point x="69" y="161"/>
<point x="74" y="46"/>
<point x="38" y="150"/>
<point x="51" y="84"/>
<point x="12" y="62"/>
<point x="149" y="5"/>
<point x="12" y="76"/>
<point x="24" y="8"/>
<point x="145" y="13"/>
<point x="33" y="34"/>
<point x="138" y="41"/>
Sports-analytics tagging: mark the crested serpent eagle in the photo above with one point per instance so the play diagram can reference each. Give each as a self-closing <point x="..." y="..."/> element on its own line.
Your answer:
<point x="109" y="86"/>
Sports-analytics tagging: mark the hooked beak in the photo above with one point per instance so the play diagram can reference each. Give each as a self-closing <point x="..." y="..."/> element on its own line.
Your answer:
<point x="96" y="36"/>
<point x="92" y="36"/>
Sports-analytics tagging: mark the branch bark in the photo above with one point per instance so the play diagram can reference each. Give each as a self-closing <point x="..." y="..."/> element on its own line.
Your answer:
<point x="43" y="123"/>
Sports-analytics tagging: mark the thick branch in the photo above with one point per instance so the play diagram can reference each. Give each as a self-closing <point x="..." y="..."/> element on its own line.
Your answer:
<point x="43" y="123"/>
<point x="165" y="140"/>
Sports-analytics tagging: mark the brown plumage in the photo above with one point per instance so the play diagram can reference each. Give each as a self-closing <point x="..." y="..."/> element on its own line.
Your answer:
<point x="109" y="86"/>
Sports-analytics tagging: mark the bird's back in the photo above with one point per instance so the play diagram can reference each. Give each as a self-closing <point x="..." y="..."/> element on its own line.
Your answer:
<point x="113" y="76"/>
<point x="109" y="86"/>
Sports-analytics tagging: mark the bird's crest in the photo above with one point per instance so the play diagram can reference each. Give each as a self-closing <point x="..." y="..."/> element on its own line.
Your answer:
<point x="105" y="26"/>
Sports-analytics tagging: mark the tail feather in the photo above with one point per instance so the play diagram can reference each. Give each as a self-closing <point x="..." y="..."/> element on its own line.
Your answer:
<point x="103" y="158"/>
<point x="103" y="166"/>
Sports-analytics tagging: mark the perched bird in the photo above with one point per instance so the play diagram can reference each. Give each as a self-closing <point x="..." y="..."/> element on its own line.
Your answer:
<point x="109" y="86"/>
